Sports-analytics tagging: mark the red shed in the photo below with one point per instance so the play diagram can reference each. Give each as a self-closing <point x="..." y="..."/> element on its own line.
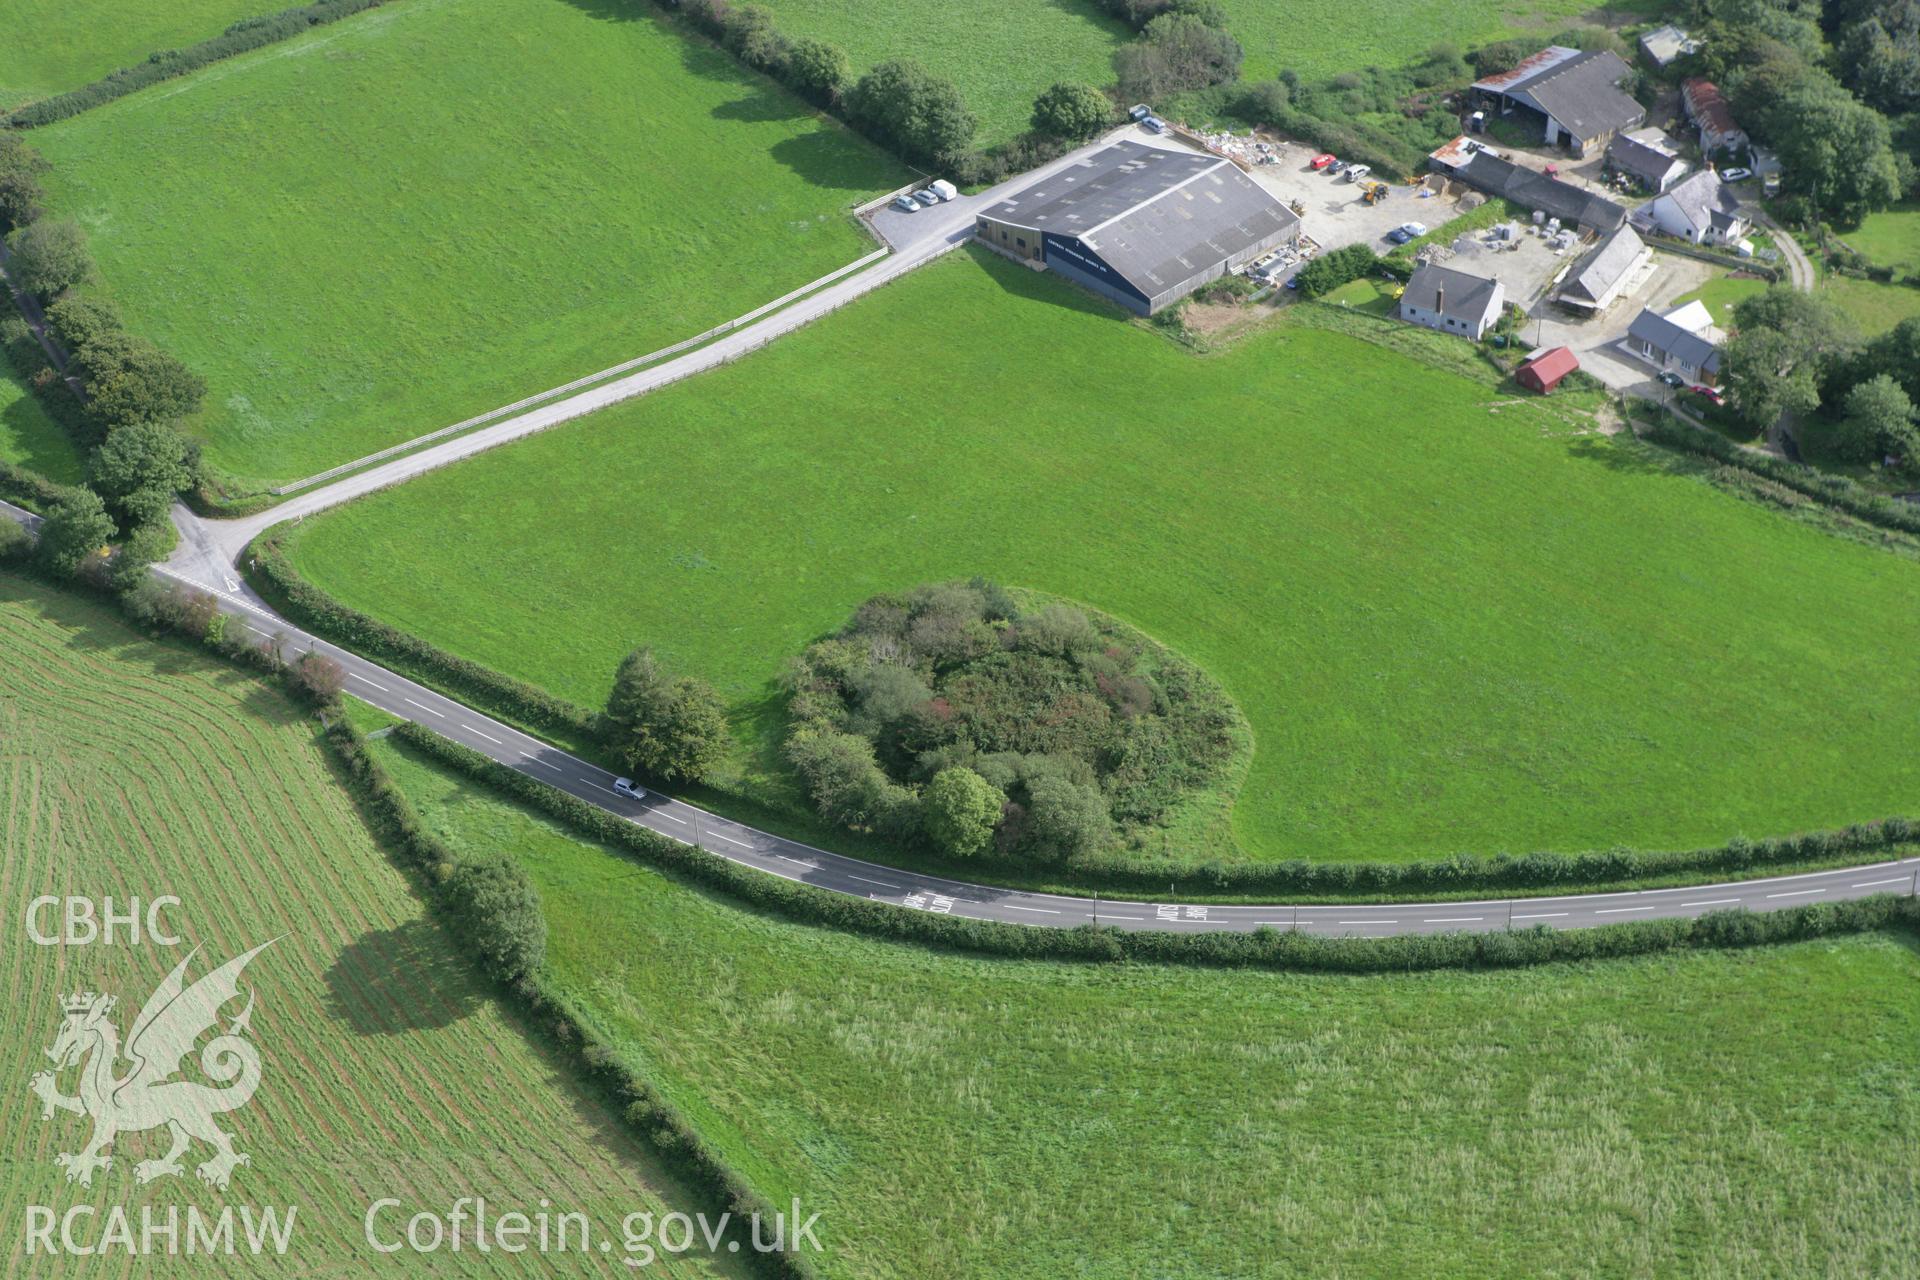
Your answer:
<point x="1543" y="370"/>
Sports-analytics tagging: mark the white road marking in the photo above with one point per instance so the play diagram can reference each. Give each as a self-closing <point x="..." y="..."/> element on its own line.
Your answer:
<point x="863" y="880"/>
<point x="1896" y="880"/>
<point x="355" y="675"/>
<point x="489" y="737"/>
<point x="1797" y="893"/>
<point x="662" y="813"/>
<point x="730" y="840"/>
<point x="424" y="707"/>
<point x="1711" y="902"/>
<point x="1542" y="915"/>
<point x="1374" y="922"/>
<point x="1614" y="911"/>
<point x="537" y="760"/>
<point x="798" y="862"/>
<point x="1453" y="920"/>
<point x="1045" y="911"/>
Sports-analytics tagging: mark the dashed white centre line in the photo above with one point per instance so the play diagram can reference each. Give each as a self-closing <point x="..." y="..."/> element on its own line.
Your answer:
<point x="1014" y="906"/>
<point x="1869" y="884"/>
<point x="354" y="675"/>
<point x="424" y="707"/>
<point x="662" y="813"/>
<point x="730" y="840"/>
<point x="1712" y="902"/>
<point x="863" y="880"/>
<point x="1615" y="911"/>
<point x="1797" y="893"/>
<point x="537" y="760"/>
<point x="1374" y="922"/>
<point x="1541" y="915"/>
<point x="1453" y="920"/>
<point x="489" y="737"/>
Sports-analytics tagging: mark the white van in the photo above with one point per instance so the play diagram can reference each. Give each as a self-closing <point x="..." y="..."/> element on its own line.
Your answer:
<point x="1358" y="172"/>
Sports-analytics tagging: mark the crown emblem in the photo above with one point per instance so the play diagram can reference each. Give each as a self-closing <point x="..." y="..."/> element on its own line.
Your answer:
<point x="78" y="1004"/>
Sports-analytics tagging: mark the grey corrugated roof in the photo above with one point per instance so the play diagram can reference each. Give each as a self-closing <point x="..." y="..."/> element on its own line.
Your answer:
<point x="1103" y="186"/>
<point x="1579" y="89"/>
<point x="1682" y="344"/>
<point x="1535" y="190"/>
<point x="1705" y="200"/>
<point x="1467" y="297"/>
<point x="1664" y="44"/>
<point x="1156" y="217"/>
<point x="1643" y="160"/>
<point x="1600" y="270"/>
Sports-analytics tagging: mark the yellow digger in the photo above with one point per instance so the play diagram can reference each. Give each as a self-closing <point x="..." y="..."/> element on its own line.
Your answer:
<point x="1372" y="192"/>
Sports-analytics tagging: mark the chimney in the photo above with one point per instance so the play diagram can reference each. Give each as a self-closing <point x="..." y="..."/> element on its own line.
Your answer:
<point x="1440" y="299"/>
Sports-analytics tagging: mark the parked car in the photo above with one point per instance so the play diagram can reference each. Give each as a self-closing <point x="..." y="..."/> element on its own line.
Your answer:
<point x="1711" y="395"/>
<point x="1407" y="231"/>
<point x="629" y="788"/>
<point x="1736" y="175"/>
<point x="926" y="198"/>
<point x="1155" y="123"/>
<point x="1673" y="379"/>
<point x="1338" y="166"/>
<point x="1321" y="161"/>
<point x="905" y="203"/>
<point x="1358" y="172"/>
<point x="1139" y="111"/>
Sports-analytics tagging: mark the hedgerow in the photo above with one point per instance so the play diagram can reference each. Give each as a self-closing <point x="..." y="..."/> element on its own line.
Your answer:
<point x="1263" y="948"/>
<point x="242" y="36"/>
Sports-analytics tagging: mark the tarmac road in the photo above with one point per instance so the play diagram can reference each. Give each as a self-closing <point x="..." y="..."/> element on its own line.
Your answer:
<point x="910" y="890"/>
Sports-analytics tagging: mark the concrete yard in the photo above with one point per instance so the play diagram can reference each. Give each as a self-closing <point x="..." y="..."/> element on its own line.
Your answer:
<point x="1335" y="215"/>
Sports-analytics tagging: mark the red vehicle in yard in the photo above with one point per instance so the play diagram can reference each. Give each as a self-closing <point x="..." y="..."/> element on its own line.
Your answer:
<point x="1321" y="161"/>
<point x="1710" y="394"/>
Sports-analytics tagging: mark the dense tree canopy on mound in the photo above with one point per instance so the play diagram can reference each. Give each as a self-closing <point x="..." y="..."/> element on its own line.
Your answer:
<point x="956" y="716"/>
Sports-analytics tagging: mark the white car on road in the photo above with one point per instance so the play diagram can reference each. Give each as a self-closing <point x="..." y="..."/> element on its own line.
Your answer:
<point x="629" y="788"/>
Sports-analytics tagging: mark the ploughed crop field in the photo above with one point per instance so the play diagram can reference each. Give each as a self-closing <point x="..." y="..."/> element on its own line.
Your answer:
<point x="1001" y="56"/>
<point x="134" y="768"/>
<point x="56" y="45"/>
<point x="1453" y="622"/>
<point x="1710" y="1113"/>
<point x="441" y="206"/>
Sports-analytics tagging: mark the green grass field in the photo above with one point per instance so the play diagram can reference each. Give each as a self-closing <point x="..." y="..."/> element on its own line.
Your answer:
<point x="55" y="45"/>
<point x="1321" y="38"/>
<point x="441" y="206"/>
<point x="1708" y="1114"/>
<point x="1722" y="294"/>
<point x="1002" y="57"/>
<point x="1890" y="238"/>
<point x="30" y="438"/>
<point x="134" y="768"/>
<point x="1452" y="624"/>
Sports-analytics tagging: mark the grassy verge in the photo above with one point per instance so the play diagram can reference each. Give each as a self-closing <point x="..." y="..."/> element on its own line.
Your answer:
<point x="1569" y="1118"/>
<point x="580" y="188"/>
<point x="1456" y="620"/>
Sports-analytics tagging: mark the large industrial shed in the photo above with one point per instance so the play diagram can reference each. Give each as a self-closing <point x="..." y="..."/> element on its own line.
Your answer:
<point x="1140" y="225"/>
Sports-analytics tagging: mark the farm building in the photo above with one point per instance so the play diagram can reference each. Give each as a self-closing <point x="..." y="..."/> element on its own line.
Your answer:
<point x="1486" y="171"/>
<point x="1707" y="108"/>
<point x="1683" y="341"/>
<point x="1663" y="46"/>
<point x="1452" y="301"/>
<point x="1603" y="275"/>
<point x="1543" y="370"/>
<point x="1701" y="210"/>
<point x="1644" y="162"/>
<point x="1575" y="94"/>
<point x="1140" y="225"/>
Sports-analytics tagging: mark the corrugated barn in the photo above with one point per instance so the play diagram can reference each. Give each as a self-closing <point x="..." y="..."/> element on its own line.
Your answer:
<point x="1142" y="226"/>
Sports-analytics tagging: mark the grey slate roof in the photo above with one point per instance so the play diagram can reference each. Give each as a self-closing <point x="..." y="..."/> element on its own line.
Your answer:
<point x="1643" y="160"/>
<point x="1706" y="201"/>
<point x="1601" y="269"/>
<point x="1467" y="298"/>
<point x="1535" y="190"/>
<point x="1681" y="344"/>
<point x="1157" y="217"/>
<point x="1579" y="89"/>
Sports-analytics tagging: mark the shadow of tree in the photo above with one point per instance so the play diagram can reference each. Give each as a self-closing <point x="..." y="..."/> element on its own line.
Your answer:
<point x="407" y="978"/>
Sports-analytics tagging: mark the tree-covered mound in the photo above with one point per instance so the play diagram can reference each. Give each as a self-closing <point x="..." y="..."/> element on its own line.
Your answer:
<point x="974" y="721"/>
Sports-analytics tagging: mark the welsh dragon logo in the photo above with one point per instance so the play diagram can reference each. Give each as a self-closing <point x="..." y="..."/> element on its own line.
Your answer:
<point x="146" y="1096"/>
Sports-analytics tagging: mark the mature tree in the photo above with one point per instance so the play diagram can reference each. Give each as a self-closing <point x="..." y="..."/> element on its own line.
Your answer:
<point x="20" y="170"/>
<point x="752" y="37"/>
<point x="920" y="113"/>
<point x="1895" y="353"/>
<point x="1882" y="61"/>
<point x="1176" y="52"/>
<point x="130" y="380"/>
<point x="499" y="906"/>
<point x="319" y="677"/>
<point x="1065" y="819"/>
<point x="1879" y="422"/>
<point x="138" y="552"/>
<point x="141" y="468"/>
<point x="961" y="809"/>
<point x="1071" y="111"/>
<point x="1836" y="151"/>
<point x="80" y="321"/>
<point x="818" y="69"/>
<point x="15" y="542"/>
<point x="1784" y="345"/>
<point x="667" y="728"/>
<point x="77" y="527"/>
<point x="48" y="257"/>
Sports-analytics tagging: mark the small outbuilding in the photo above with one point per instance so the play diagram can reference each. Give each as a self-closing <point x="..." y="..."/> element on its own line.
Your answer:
<point x="1707" y="108"/>
<point x="1574" y="94"/>
<point x="1664" y="46"/>
<point x="1452" y="301"/>
<point x="1487" y="171"/>
<point x="1683" y="341"/>
<point x="1543" y="370"/>
<point x="1645" y="163"/>
<point x="1600" y="277"/>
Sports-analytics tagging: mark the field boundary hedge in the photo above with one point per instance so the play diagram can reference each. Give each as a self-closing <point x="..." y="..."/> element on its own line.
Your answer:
<point x="267" y="564"/>
<point x="1841" y="492"/>
<point x="649" y="1114"/>
<point x="243" y="36"/>
<point x="1264" y="948"/>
